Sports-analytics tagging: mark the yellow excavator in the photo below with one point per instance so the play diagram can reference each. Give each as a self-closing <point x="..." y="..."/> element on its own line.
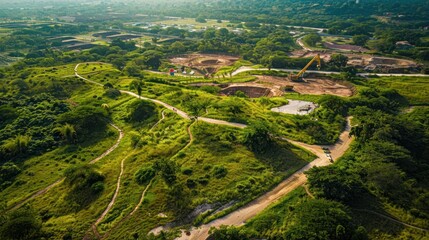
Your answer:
<point x="298" y="77"/>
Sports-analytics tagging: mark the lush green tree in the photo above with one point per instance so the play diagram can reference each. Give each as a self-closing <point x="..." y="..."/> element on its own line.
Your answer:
<point x="67" y="133"/>
<point x="7" y="115"/>
<point x="21" y="224"/>
<point x="337" y="104"/>
<point x="85" y="120"/>
<point x="386" y="178"/>
<point x="333" y="183"/>
<point x="8" y="172"/>
<point x="85" y="183"/>
<point x="133" y="70"/>
<point x="227" y="233"/>
<point x="319" y="219"/>
<point x="220" y="171"/>
<point x="112" y="93"/>
<point x="178" y="47"/>
<point x="167" y="170"/>
<point x="179" y="200"/>
<point x="257" y="137"/>
<point x="128" y="46"/>
<point x="338" y="60"/>
<point x="140" y="111"/>
<point x="137" y="85"/>
<point x="360" y="40"/>
<point x="16" y="145"/>
<point x="144" y="175"/>
<point x="200" y="19"/>
<point x="151" y="59"/>
<point x="312" y="39"/>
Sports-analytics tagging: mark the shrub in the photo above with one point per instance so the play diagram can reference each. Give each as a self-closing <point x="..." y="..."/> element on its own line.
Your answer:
<point x="191" y="183"/>
<point x="144" y="175"/>
<point x="141" y="110"/>
<point x="187" y="171"/>
<point x="85" y="183"/>
<point x="220" y="171"/>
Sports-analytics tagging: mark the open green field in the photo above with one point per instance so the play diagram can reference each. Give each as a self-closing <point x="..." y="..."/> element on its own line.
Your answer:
<point x="415" y="89"/>
<point x="337" y="40"/>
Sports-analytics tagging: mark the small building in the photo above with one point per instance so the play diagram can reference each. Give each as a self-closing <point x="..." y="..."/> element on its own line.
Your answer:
<point x="104" y="34"/>
<point x="123" y="36"/>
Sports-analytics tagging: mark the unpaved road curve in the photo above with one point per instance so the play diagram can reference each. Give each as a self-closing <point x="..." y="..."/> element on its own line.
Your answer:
<point x="115" y="195"/>
<point x="300" y="43"/>
<point x="107" y="234"/>
<point x="121" y="135"/>
<point x="178" y="111"/>
<point x="240" y="216"/>
<point x="38" y="193"/>
<point x="160" y="120"/>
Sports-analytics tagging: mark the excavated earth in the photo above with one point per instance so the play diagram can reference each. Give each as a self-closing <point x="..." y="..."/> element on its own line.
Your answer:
<point x="205" y="63"/>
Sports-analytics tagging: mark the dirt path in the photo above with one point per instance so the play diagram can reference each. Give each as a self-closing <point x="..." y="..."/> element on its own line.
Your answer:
<point x="191" y="137"/>
<point x="107" y="234"/>
<point x="240" y="216"/>
<point x="40" y="192"/>
<point x="300" y="43"/>
<point x="43" y="191"/>
<point x="121" y="135"/>
<point x="160" y="120"/>
<point x="178" y="111"/>
<point x="111" y="203"/>
<point x="115" y="195"/>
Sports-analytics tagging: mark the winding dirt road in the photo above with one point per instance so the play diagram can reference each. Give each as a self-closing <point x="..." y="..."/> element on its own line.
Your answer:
<point x="240" y="216"/>
<point x="178" y="111"/>
<point x="121" y="135"/>
<point x="160" y="120"/>
<point x="115" y="195"/>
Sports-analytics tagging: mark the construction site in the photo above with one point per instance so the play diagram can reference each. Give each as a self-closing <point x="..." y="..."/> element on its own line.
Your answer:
<point x="203" y="64"/>
<point x="265" y="85"/>
<point x="366" y="62"/>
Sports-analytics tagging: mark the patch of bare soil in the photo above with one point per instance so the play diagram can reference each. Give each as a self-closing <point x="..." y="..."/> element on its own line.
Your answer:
<point x="365" y="61"/>
<point x="345" y="47"/>
<point x="308" y="86"/>
<point x="204" y="63"/>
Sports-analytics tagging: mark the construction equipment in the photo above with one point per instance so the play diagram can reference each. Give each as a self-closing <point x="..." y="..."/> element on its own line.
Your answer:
<point x="298" y="77"/>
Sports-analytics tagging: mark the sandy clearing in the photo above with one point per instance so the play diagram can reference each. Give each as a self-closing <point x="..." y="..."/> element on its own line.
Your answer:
<point x="296" y="107"/>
